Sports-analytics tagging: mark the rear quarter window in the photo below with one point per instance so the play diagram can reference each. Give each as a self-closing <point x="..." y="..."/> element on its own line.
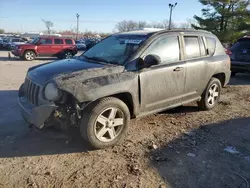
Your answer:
<point x="68" y="41"/>
<point x="211" y="45"/>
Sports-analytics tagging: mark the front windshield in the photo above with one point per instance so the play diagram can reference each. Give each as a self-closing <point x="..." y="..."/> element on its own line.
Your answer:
<point x="35" y="40"/>
<point x="116" y="49"/>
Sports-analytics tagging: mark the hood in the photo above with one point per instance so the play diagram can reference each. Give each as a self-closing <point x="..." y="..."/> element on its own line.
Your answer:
<point x="66" y="68"/>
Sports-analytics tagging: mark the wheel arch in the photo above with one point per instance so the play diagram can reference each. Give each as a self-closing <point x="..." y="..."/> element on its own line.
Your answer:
<point x="29" y="50"/>
<point x="127" y="98"/>
<point x="221" y="77"/>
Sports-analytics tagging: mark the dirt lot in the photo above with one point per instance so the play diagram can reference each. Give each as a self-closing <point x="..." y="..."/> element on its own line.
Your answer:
<point x="180" y="148"/>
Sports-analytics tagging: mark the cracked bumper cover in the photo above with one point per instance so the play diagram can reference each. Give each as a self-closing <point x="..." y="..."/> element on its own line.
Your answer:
<point x="35" y="115"/>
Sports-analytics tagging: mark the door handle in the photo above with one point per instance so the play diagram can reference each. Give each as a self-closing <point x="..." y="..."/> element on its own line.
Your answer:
<point x="178" y="69"/>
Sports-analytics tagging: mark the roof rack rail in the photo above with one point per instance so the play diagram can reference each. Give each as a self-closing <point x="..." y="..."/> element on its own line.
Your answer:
<point x="190" y="29"/>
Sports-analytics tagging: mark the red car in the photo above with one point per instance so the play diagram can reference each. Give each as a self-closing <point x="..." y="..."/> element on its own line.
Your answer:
<point x="63" y="48"/>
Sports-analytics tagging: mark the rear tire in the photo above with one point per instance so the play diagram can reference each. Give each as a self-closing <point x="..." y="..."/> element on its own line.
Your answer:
<point x="29" y="55"/>
<point x="211" y="95"/>
<point x="105" y="122"/>
<point x="68" y="55"/>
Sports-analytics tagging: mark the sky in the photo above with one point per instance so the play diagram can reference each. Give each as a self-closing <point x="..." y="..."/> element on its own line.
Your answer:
<point x="95" y="15"/>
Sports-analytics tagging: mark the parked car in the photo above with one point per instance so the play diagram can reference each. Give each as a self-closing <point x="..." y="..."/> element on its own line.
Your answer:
<point x="127" y="75"/>
<point x="240" y="56"/>
<point x="46" y="46"/>
<point x="5" y="42"/>
<point x="12" y="42"/>
<point x="1" y="41"/>
<point x="90" y="43"/>
<point x="80" y="45"/>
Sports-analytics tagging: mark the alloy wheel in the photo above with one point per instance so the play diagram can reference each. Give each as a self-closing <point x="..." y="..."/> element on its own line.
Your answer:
<point x="29" y="56"/>
<point x="68" y="55"/>
<point x="109" y="124"/>
<point x="213" y="94"/>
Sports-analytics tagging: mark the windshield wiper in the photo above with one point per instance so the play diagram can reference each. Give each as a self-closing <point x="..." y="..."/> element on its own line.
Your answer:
<point x="99" y="59"/>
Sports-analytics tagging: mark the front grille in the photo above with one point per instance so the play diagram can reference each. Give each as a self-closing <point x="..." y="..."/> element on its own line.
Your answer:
<point x="31" y="91"/>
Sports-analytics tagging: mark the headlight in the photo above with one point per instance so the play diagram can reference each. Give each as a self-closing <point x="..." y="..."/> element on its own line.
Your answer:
<point x="51" y="92"/>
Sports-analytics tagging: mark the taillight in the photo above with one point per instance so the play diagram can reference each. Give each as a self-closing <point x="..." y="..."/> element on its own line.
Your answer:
<point x="228" y="52"/>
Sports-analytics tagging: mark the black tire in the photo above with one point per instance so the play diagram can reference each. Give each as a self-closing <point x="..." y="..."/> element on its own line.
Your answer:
<point x="67" y="55"/>
<point x="233" y="74"/>
<point x="205" y="102"/>
<point x="89" y="123"/>
<point x="60" y="56"/>
<point x="29" y="55"/>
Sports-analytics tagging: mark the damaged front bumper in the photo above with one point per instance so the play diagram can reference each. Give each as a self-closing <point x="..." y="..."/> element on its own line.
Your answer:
<point x="35" y="115"/>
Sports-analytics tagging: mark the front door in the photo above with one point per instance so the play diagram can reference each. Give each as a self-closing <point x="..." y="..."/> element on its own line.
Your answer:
<point x="45" y="47"/>
<point x="162" y="85"/>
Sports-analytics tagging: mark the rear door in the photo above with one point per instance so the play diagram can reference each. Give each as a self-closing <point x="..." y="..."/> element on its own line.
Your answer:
<point x="162" y="85"/>
<point x="58" y="45"/>
<point x="45" y="47"/>
<point x="196" y="65"/>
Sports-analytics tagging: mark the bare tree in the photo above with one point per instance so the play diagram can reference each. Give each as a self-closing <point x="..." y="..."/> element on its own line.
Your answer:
<point x="48" y="25"/>
<point x="125" y="25"/>
<point x="184" y="25"/>
<point x="142" y="24"/>
<point x="156" y="25"/>
<point x="188" y="24"/>
<point x="128" y="25"/>
<point x="165" y="24"/>
<point x="132" y="25"/>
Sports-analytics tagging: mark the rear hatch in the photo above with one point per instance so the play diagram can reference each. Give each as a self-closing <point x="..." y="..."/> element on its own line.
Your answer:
<point x="241" y="50"/>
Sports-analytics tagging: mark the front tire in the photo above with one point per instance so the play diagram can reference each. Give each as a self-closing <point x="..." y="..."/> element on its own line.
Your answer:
<point x="105" y="122"/>
<point x="211" y="95"/>
<point x="29" y="55"/>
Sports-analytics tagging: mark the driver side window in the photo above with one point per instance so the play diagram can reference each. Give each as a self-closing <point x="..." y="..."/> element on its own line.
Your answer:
<point x="167" y="48"/>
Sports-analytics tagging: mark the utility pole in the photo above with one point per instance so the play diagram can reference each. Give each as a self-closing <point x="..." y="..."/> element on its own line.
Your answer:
<point x="171" y="6"/>
<point x="77" y="27"/>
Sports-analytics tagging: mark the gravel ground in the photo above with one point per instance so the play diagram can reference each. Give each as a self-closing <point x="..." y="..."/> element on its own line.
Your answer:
<point x="179" y="148"/>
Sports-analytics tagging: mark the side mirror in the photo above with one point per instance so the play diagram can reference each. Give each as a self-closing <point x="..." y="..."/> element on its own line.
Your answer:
<point x="139" y="63"/>
<point x="151" y="60"/>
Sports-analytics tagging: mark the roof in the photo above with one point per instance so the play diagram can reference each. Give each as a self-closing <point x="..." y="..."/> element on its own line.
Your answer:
<point x="147" y="31"/>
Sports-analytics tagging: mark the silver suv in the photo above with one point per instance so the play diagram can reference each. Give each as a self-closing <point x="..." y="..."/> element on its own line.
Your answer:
<point x="127" y="75"/>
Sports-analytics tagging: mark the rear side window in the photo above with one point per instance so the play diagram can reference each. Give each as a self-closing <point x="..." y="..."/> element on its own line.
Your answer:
<point x="192" y="47"/>
<point x="167" y="48"/>
<point x="202" y="47"/>
<point x="46" y="41"/>
<point x="58" y="41"/>
<point x="68" y="41"/>
<point x="211" y="45"/>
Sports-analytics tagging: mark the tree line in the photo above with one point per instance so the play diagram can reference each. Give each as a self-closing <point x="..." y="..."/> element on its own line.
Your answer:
<point x="129" y="25"/>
